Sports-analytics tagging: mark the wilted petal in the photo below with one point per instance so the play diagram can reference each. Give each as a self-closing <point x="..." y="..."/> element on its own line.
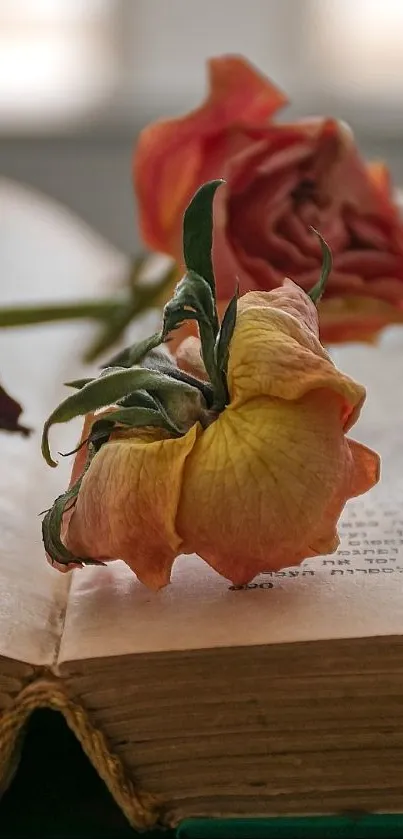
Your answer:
<point x="188" y="356"/>
<point x="269" y="480"/>
<point x="380" y="176"/>
<point x="356" y="319"/>
<point x="173" y="157"/>
<point x="274" y="353"/>
<point x="78" y="469"/>
<point x="366" y="469"/>
<point x="127" y="504"/>
<point x="288" y="298"/>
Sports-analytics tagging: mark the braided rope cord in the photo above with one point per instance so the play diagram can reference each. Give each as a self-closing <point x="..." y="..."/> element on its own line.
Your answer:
<point x="143" y="810"/>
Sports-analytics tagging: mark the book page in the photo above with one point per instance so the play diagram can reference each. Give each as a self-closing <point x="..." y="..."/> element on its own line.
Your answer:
<point x="357" y="592"/>
<point x="45" y="254"/>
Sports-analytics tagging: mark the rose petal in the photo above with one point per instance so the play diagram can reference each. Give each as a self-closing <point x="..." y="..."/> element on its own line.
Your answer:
<point x="269" y="481"/>
<point x="355" y="318"/>
<point x="171" y="160"/>
<point x="81" y="456"/>
<point x="188" y="357"/>
<point x="78" y="469"/>
<point x="232" y="264"/>
<point x="274" y="353"/>
<point x="127" y="505"/>
<point x="380" y="176"/>
<point x="277" y="149"/>
<point x="288" y="298"/>
<point x="369" y="264"/>
<point x="366" y="472"/>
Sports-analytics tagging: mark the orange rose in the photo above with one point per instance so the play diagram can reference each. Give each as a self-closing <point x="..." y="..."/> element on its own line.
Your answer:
<point x="280" y="180"/>
<point x="246" y="462"/>
<point x="269" y="476"/>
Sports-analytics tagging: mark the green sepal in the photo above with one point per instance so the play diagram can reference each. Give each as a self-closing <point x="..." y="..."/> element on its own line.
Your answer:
<point x="138" y="399"/>
<point x="100" y="433"/>
<point x="101" y="429"/>
<point x="106" y="390"/>
<point x="167" y="366"/>
<point x="178" y="409"/>
<point x="192" y="298"/>
<point x="135" y="353"/>
<point x="182" y="410"/>
<point x="221" y="352"/>
<point x="77" y="384"/>
<point x="158" y="393"/>
<point x="51" y="529"/>
<point x="316" y="292"/>
<point x="137" y="417"/>
<point x="198" y="232"/>
<point x="225" y="334"/>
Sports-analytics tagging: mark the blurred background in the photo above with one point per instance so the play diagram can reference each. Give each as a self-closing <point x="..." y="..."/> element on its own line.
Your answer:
<point x="78" y="81"/>
<point x="79" y="78"/>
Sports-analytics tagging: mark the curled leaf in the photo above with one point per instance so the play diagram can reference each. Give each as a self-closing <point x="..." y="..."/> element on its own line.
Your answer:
<point x="135" y="353"/>
<point x="77" y="384"/>
<point x="192" y="298"/>
<point x="139" y="417"/>
<point x="222" y="351"/>
<point x="51" y="529"/>
<point x="225" y="334"/>
<point x="316" y="292"/>
<point x="106" y="390"/>
<point x="198" y="232"/>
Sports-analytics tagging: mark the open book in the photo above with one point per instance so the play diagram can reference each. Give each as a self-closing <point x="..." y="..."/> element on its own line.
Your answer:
<point x="280" y="697"/>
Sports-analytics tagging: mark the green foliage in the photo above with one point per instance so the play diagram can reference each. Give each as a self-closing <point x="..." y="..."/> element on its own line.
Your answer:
<point x="316" y="292"/>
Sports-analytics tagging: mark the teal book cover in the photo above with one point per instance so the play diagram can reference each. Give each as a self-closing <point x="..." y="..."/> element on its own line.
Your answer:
<point x="366" y="826"/>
